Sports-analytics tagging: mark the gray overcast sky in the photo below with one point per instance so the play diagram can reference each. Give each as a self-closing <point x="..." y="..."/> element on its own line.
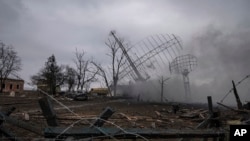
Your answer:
<point x="217" y="32"/>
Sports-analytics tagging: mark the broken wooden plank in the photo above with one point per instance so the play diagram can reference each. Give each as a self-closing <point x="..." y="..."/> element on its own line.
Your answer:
<point x="158" y="114"/>
<point x="125" y="116"/>
<point x="193" y="114"/>
<point x="202" y="116"/>
<point x="48" y="111"/>
<point x="204" y="123"/>
<point x="207" y="121"/>
<point x="107" y="113"/>
<point x="226" y="106"/>
<point x="190" y="115"/>
<point x="238" y="111"/>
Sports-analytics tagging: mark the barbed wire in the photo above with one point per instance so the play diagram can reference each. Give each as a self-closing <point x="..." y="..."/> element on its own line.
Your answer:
<point x="85" y="119"/>
<point x="238" y="83"/>
<point x="95" y="118"/>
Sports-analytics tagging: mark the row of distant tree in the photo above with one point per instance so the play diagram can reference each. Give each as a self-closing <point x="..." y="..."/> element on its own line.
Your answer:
<point x="54" y="76"/>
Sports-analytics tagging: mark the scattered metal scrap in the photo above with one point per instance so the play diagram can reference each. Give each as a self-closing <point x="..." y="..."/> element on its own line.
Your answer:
<point x="98" y="130"/>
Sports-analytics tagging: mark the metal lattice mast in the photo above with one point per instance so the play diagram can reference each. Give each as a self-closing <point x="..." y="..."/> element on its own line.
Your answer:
<point x="140" y="78"/>
<point x="186" y="84"/>
<point x="184" y="65"/>
<point x="152" y="55"/>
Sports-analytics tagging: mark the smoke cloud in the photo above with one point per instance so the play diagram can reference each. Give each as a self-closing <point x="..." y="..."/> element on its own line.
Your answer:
<point x="223" y="56"/>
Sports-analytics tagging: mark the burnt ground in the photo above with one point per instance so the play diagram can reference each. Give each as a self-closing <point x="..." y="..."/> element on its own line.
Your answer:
<point x="128" y="114"/>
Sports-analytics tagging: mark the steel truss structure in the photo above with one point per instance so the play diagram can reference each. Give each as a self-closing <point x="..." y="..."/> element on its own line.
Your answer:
<point x="149" y="58"/>
<point x="184" y="64"/>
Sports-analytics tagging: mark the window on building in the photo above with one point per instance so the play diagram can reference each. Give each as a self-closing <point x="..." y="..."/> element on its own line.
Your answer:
<point x="3" y="86"/>
<point x="10" y="86"/>
<point x="17" y="86"/>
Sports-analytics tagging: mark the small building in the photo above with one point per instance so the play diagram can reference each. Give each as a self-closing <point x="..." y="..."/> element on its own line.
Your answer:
<point x="99" y="91"/>
<point x="11" y="84"/>
<point x="41" y="85"/>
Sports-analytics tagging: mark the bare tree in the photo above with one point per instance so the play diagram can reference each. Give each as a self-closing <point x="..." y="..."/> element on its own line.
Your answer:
<point x="117" y="57"/>
<point x="103" y="74"/>
<point x="84" y="69"/>
<point x="9" y="62"/>
<point x="70" y="75"/>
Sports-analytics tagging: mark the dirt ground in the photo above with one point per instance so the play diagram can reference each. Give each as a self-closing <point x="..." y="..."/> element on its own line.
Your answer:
<point x="129" y="113"/>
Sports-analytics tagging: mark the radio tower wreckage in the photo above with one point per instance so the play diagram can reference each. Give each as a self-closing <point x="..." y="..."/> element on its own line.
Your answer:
<point x="140" y="78"/>
<point x="149" y="57"/>
<point x="184" y="64"/>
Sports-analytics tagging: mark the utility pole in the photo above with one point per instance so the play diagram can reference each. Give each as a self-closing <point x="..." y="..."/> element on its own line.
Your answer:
<point x="162" y="82"/>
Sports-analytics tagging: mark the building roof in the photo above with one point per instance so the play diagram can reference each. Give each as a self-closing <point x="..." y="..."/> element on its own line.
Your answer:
<point x="14" y="77"/>
<point x="11" y="79"/>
